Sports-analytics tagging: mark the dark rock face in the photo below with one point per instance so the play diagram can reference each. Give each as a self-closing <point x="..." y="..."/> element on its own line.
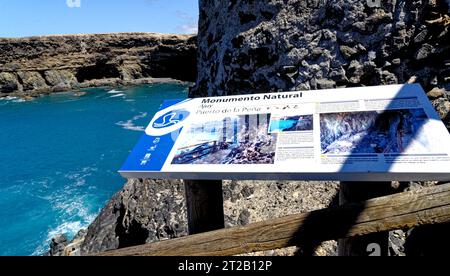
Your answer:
<point x="58" y="246"/>
<point x="30" y="66"/>
<point x="9" y="82"/>
<point x="251" y="46"/>
<point x="144" y="211"/>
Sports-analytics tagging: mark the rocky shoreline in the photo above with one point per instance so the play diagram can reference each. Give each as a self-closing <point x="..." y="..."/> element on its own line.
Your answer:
<point x="153" y="210"/>
<point x="33" y="66"/>
<point x="80" y="90"/>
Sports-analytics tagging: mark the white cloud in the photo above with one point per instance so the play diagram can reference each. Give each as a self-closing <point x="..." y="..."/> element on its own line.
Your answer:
<point x="189" y="28"/>
<point x="73" y="3"/>
<point x="189" y="25"/>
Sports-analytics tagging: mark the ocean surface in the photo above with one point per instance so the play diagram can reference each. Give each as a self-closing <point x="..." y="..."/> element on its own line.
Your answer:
<point x="281" y="125"/>
<point x="59" y="158"/>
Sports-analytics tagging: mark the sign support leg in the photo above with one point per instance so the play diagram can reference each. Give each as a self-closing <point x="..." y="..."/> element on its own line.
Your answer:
<point x="204" y="200"/>
<point x="375" y="244"/>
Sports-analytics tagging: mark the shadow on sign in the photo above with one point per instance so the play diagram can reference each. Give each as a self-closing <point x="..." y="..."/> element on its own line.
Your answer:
<point x="392" y="133"/>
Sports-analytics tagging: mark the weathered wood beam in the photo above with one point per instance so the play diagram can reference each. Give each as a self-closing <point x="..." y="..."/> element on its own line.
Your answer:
<point x="204" y="201"/>
<point x="404" y="210"/>
<point x="375" y="244"/>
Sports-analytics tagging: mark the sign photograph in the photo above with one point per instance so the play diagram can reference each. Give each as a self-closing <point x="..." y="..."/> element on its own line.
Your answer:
<point x="379" y="133"/>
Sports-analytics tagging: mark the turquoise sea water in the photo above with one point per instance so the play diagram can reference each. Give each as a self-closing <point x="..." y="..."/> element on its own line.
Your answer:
<point x="59" y="158"/>
<point x="280" y="125"/>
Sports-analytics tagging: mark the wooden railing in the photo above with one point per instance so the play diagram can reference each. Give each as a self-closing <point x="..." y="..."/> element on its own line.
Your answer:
<point x="399" y="211"/>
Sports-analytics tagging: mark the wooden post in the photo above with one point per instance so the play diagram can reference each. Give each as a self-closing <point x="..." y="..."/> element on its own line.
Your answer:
<point x="375" y="244"/>
<point x="204" y="200"/>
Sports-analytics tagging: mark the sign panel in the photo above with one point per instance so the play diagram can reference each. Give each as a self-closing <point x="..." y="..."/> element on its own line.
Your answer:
<point x="379" y="133"/>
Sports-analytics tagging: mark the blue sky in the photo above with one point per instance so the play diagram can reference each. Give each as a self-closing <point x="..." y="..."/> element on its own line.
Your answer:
<point x="19" y="18"/>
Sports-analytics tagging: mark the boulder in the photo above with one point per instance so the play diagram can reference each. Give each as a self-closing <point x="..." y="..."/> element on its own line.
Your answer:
<point x="442" y="107"/>
<point x="436" y="93"/>
<point x="9" y="83"/>
<point x="131" y="72"/>
<point x="60" y="79"/>
<point x="58" y="245"/>
<point x="32" y="81"/>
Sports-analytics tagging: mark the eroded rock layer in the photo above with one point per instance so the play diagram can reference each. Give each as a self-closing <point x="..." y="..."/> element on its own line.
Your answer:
<point x="34" y="65"/>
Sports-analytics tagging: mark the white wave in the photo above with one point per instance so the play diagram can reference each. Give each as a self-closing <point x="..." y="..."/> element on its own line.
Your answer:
<point x="114" y="91"/>
<point x="117" y="95"/>
<point x="12" y="99"/>
<point x="69" y="228"/>
<point x="89" y="169"/>
<point x="79" y="177"/>
<point x="140" y="116"/>
<point x="76" y="215"/>
<point x="71" y="205"/>
<point x="129" y="124"/>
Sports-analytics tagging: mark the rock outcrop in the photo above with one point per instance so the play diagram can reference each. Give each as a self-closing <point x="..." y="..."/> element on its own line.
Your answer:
<point x="152" y="210"/>
<point x="248" y="46"/>
<point x="58" y="245"/>
<point x="35" y="65"/>
<point x="144" y="211"/>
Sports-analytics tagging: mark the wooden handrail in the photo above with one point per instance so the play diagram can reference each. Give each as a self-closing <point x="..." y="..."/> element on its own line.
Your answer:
<point x="404" y="210"/>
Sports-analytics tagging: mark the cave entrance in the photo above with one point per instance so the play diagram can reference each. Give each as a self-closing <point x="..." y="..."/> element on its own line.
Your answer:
<point x="97" y="71"/>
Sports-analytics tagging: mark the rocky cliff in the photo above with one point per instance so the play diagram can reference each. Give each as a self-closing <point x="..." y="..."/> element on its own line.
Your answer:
<point x="249" y="46"/>
<point x="30" y="66"/>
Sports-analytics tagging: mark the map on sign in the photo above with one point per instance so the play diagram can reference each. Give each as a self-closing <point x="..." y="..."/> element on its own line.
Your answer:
<point x="379" y="133"/>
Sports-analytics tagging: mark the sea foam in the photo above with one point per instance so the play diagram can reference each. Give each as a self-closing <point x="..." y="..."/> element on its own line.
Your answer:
<point x="117" y="95"/>
<point x="129" y="124"/>
<point x="114" y="91"/>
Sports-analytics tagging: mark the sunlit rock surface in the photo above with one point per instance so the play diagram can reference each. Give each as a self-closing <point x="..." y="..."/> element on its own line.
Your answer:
<point x="35" y="65"/>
